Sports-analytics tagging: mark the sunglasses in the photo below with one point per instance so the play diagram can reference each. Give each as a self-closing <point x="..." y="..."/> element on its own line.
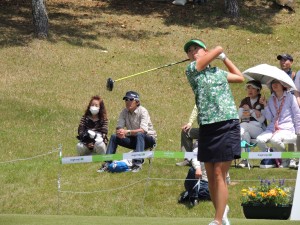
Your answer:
<point x="129" y="99"/>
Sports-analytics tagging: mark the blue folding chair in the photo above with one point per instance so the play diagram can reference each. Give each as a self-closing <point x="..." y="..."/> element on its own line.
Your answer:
<point x="245" y="145"/>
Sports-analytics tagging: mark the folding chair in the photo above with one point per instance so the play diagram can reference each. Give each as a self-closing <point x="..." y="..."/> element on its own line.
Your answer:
<point x="245" y="145"/>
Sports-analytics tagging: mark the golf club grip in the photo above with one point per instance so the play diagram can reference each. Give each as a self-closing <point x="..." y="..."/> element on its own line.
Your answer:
<point x="167" y="65"/>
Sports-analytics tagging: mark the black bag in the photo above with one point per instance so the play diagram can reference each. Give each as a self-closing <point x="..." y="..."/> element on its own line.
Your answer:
<point x="85" y="138"/>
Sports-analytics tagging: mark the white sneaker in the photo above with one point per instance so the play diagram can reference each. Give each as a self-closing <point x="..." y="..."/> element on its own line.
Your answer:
<point x="214" y="223"/>
<point x="183" y="163"/>
<point x="225" y="220"/>
<point x="292" y="164"/>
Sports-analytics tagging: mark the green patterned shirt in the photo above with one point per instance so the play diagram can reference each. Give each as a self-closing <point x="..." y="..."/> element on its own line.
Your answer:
<point x="213" y="96"/>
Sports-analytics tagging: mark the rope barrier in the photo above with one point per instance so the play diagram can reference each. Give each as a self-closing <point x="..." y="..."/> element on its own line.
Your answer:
<point x="150" y="179"/>
<point x="113" y="189"/>
<point x="30" y="158"/>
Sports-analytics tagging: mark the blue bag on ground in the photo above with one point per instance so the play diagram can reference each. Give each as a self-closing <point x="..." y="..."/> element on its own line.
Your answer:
<point x="118" y="167"/>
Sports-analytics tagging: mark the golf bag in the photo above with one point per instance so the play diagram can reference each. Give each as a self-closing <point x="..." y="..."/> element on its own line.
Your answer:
<point x="194" y="189"/>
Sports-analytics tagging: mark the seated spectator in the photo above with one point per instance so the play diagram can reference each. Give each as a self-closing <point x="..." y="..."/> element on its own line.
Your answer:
<point x="188" y="135"/>
<point x="286" y="62"/>
<point x="93" y="128"/>
<point x="196" y="183"/>
<point x="134" y="130"/>
<point x="283" y="114"/>
<point x="251" y="117"/>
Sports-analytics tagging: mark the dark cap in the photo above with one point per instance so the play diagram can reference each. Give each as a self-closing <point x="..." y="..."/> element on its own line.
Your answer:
<point x="285" y="57"/>
<point x="255" y="84"/>
<point x="132" y="94"/>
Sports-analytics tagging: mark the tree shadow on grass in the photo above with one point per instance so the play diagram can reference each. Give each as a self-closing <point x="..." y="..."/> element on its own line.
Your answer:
<point x="66" y="19"/>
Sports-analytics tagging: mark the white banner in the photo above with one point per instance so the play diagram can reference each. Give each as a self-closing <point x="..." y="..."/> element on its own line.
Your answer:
<point x="264" y="155"/>
<point x="76" y="159"/>
<point x="138" y="155"/>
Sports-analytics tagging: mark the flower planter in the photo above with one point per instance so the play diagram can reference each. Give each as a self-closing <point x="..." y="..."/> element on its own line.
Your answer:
<point x="267" y="212"/>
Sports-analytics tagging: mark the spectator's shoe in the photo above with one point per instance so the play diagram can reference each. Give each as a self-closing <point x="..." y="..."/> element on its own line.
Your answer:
<point x="136" y="169"/>
<point x="243" y="164"/>
<point x="293" y="164"/>
<point x="103" y="168"/>
<point x="183" y="163"/>
<point x="267" y="163"/>
<point x="225" y="220"/>
<point x="214" y="223"/>
<point x="193" y="202"/>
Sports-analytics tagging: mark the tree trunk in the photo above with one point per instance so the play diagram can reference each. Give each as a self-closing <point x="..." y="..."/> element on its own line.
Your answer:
<point x="40" y="18"/>
<point x="232" y="8"/>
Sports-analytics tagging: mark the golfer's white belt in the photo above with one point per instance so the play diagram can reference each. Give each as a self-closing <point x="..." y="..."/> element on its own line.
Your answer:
<point x="171" y="155"/>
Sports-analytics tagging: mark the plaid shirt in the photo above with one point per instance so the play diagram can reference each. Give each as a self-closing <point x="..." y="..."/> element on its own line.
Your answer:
<point x="214" y="99"/>
<point x="140" y="118"/>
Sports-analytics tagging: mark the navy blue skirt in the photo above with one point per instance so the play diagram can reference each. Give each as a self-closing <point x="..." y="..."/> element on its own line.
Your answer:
<point x="219" y="142"/>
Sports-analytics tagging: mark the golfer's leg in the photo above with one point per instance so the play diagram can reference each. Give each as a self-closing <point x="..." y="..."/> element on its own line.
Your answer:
<point x="209" y="167"/>
<point x="216" y="174"/>
<point x="221" y="190"/>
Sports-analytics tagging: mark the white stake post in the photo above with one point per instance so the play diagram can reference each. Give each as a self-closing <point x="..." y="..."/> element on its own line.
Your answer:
<point x="295" y="214"/>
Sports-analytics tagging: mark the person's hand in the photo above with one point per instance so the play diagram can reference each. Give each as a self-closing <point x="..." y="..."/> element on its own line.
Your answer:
<point x="121" y="133"/>
<point x="185" y="128"/>
<point x="246" y="107"/>
<point x="198" y="173"/>
<point x="222" y="56"/>
<point x="257" y="113"/>
<point x="90" y="145"/>
<point x="263" y="100"/>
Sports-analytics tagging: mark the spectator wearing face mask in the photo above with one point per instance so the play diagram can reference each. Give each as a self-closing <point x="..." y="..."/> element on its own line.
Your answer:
<point x="93" y="128"/>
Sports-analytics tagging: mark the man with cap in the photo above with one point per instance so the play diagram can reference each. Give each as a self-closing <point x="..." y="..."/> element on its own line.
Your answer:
<point x="286" y="62"/>
<point x="250" y="114"/>
<point x="134" y="130"/>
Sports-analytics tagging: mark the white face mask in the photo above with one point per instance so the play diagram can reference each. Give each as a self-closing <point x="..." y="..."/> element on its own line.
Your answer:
<point x="94" y="110"/>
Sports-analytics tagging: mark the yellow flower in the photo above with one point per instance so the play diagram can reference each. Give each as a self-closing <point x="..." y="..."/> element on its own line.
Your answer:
<point x="267" y="194"/>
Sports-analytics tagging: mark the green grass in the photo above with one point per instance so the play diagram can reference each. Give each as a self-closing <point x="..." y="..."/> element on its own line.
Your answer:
<point x="103" y="220"/>
<point x="46" y="85"/>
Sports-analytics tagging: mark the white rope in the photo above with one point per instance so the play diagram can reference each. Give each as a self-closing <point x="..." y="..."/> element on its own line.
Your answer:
<point x="29" y="158"/>
<point x="147" y="179"/>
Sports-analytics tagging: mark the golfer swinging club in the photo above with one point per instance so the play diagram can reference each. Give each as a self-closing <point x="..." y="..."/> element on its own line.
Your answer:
<point x="219" y="129"/>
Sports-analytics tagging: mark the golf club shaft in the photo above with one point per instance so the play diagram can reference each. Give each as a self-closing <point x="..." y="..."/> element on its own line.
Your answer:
<point x="167" y="65"/>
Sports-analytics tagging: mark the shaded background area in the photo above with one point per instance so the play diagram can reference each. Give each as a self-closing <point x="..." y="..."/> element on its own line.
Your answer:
<point x="82" y="22"/>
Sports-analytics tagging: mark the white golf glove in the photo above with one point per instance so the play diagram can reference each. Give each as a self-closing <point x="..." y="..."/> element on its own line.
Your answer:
<point x="222" y="56"/>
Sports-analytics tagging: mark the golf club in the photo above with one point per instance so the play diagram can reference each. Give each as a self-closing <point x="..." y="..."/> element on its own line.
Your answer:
<point x="110" y="82"/>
